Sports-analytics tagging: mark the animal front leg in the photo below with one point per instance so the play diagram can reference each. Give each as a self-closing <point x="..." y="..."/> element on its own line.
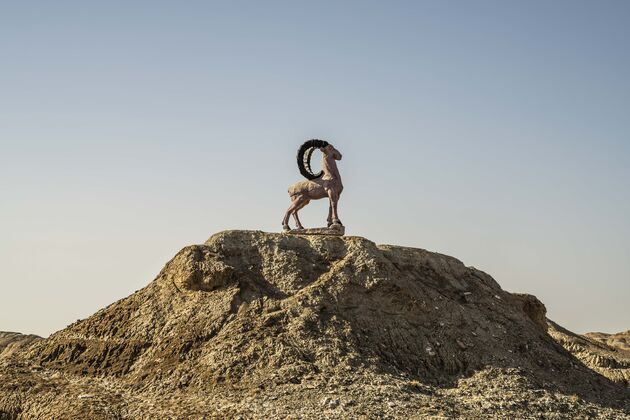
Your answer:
<point x="334" y="198"/>
<point x="329" y="219"/>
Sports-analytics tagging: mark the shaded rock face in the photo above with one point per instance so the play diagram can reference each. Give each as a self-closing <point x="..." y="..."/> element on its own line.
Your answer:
<point x="285" y="318"/>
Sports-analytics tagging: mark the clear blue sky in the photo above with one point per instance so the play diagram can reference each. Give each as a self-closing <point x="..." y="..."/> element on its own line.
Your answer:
<point x="493" y="131"/>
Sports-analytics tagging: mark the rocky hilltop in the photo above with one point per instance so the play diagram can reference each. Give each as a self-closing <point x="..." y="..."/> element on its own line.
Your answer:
<point x="263" y="325"/>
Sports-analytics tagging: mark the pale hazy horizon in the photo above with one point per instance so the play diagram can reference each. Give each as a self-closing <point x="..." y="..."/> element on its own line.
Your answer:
<point x="495" y="132"/>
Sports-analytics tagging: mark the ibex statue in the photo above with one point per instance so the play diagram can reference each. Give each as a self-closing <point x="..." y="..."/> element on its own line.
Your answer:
<point x="326" y="183"/>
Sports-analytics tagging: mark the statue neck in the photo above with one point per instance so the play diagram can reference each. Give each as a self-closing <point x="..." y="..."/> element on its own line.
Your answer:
<point x="329" y="166"/>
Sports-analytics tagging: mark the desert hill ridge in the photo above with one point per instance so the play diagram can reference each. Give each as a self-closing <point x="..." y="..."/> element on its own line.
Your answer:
<point x="11" y="342"/>
<point x="607" y="354"/>
<point x="262" y="324"/>
<point x="620" y="341"/>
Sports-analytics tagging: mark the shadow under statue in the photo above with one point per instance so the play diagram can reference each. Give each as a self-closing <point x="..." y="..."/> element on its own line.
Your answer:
<point x="327" y="183"/>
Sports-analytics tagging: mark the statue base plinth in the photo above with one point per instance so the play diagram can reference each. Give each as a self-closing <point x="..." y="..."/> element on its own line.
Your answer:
<point x="335" y="230"/>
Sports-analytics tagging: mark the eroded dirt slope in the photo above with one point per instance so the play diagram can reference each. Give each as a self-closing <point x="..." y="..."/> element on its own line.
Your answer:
<point x="11" y="342"/>
<point x="606" y="354"/>
<point x="270" y="325"/>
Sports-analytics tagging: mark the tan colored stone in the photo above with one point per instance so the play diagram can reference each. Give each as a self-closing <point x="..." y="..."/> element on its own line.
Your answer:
<point x="599" y="351"/>
<point x="11" y="342"/>
<point x="335" y="230"/>
<point x="267" y="325"/>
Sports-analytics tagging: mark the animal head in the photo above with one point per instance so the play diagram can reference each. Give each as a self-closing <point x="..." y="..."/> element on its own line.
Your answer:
<point x="330" y="150"/>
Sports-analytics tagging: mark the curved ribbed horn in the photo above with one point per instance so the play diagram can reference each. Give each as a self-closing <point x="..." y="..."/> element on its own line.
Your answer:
<point x="304" y="157"/>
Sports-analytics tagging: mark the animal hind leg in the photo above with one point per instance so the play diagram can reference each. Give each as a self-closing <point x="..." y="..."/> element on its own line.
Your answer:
<point x="290" y="210"/>
<point x="298" y="224"/>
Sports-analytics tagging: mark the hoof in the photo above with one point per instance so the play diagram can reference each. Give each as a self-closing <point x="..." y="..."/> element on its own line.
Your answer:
<point x="286" y="228"/>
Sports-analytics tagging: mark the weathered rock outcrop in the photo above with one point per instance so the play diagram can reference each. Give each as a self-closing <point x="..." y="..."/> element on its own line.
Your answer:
<point x="11" y="342"/>
<point x="619" y="341"/>
<point x="606" y="354"/>
<point x="274" y="325"/>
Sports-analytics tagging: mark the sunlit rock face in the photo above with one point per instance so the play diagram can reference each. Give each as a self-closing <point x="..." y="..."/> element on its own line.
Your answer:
<point x="264" y="325"/>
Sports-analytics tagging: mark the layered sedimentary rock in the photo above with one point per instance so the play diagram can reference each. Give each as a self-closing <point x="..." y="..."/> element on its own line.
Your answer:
<point x="11" y="342"/>
<point x="606" y="354"/>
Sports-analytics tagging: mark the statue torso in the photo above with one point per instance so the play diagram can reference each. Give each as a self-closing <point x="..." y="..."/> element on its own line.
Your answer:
<point x="331" y="173"/>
